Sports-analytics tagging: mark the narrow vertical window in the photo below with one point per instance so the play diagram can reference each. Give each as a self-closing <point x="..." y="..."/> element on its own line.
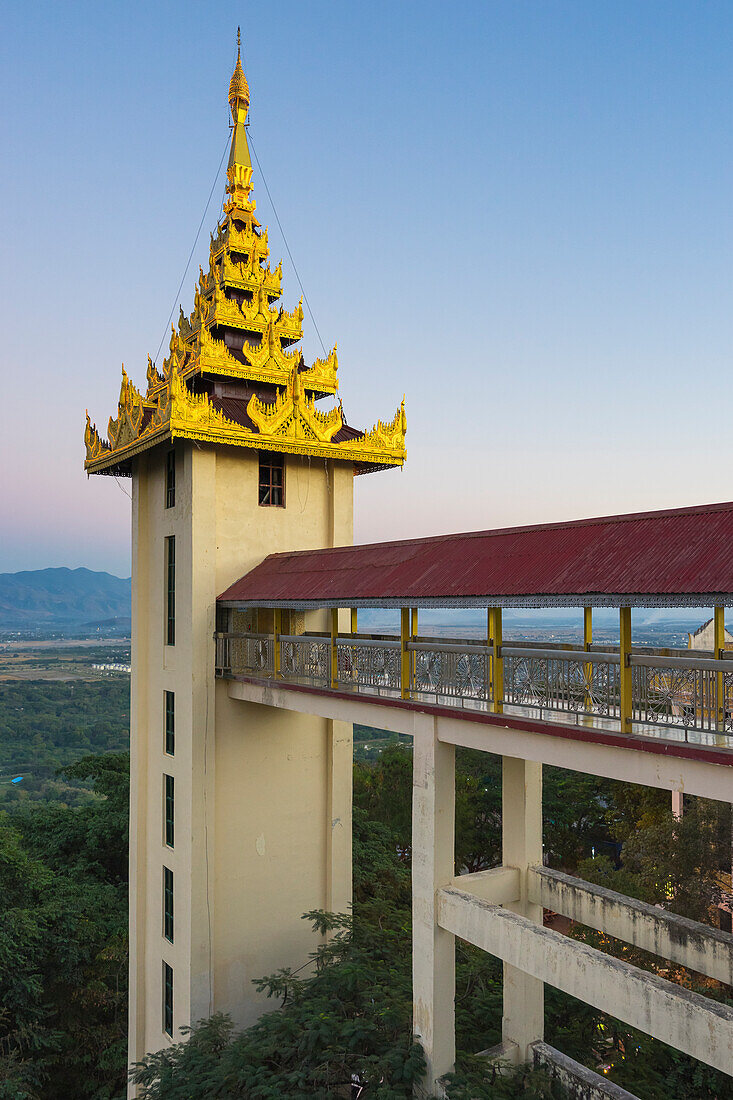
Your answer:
<point x="168" y="999"/>
<point x="272" y="480"/>
<point x="170" y="549"/>
<point x="170" y="723"/>
<point x="168" y="904"/>
<point x="170" y="479"/>
<point x="169" y="810"/>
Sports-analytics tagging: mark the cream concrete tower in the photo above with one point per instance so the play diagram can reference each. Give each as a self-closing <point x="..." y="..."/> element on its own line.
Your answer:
<point x="240" y="816"/>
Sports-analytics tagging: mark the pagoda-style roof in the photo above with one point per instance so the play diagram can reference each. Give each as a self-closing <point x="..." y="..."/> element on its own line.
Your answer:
<point x="232" y="375"/>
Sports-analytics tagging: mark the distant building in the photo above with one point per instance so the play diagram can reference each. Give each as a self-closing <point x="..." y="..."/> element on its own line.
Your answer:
<point x="704" y="637"/>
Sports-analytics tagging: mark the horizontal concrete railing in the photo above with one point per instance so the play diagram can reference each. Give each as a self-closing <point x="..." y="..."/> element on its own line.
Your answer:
<point x="577" y="1080"/>
<point x="692" y="1024"/>
<point x="696" y="946"/>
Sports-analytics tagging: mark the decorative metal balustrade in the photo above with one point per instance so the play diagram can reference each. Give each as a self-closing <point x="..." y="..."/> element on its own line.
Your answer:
<point x="305" y="659"/>
<point x="244" y="652"/>
<point x="671" y="690"/>
<point x="372" y="663"/>
<point x="683" y="693"/>
<point x="451" y="672"/>
<point x="581" y="683"/>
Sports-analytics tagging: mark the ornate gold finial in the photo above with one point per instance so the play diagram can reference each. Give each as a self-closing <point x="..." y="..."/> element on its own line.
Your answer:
<point x="238" y="86"/>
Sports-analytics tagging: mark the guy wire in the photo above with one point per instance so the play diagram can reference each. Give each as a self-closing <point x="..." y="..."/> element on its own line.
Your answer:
<point x="287" y="246"/>
<point x="193" y="248"/>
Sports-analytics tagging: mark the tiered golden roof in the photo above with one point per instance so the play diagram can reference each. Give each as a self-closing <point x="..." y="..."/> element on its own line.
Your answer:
<point x="232" y="375"/>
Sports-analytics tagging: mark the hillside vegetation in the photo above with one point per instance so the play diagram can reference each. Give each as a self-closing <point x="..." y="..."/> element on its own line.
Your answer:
<point x="63" y="930"/>
<point x="45" y="725"/>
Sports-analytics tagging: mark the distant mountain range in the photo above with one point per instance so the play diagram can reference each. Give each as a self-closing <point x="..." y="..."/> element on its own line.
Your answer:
<point x="64" y="599"/>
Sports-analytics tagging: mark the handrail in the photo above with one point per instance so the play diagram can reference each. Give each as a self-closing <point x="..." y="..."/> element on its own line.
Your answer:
<point x="564" y="653"/>
<point x="701" y="664"/>
<point x="250" y="634"/>
<point x="449" y="647"/>
<point x="585" y="656"/>
<point x="368" y="643"/>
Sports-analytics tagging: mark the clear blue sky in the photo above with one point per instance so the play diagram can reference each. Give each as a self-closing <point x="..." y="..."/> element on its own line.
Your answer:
<point x="518" y="213"/>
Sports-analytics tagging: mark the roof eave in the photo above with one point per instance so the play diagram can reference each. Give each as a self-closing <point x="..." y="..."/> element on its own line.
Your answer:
<point x="536" y="600"/>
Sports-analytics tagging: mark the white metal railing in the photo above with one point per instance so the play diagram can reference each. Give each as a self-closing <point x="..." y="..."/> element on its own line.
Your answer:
<point x="686" y="694"/>
<point x="244" y="652"/>
<point x="372" y="663"/>
<point x="578" y="682"/>
<point x="305" y="658"/>
<point x="669" y="688"/>
<point x="451" y="670"/>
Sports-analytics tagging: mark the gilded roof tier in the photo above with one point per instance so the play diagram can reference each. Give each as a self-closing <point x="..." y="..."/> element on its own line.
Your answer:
<point x="234" y="374"/>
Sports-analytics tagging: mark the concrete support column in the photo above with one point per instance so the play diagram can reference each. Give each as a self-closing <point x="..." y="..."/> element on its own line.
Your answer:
<point x="339" y="761"/>
<point x="523" y="1019"/>
<point x="433" y="949"/>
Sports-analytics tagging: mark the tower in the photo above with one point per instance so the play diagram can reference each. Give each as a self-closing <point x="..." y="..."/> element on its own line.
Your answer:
<point x="240" y="815"/>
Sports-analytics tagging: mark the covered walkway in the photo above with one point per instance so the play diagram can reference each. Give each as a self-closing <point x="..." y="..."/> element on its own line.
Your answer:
<point x="288" y="638"/>
<point x="670" y="559"/>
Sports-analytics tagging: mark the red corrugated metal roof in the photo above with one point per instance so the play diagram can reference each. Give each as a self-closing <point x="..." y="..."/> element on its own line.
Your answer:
<point x="654" y="558"/>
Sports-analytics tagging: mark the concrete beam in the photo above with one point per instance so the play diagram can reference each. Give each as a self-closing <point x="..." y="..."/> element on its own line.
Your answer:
<point x="503" y="1056"/>
<point x="693" y="1024"/>
<point x="626" y="763"/>
<point x="579" y="1082"/>
<point x="499" y="885"/>
<point x="651" y="762"/>
<point x="697" y="946"/>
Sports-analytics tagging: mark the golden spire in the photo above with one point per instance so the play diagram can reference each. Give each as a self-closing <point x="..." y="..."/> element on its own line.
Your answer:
<point x="239" y="294"/>
<point x="238" y="86"/>
<point x="239" y="103"/>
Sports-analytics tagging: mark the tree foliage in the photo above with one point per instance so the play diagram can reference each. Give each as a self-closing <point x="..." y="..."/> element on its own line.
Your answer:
<point x="46" y="725"/>
<point x="63" y="943"/>
<point x="63" y="916"/>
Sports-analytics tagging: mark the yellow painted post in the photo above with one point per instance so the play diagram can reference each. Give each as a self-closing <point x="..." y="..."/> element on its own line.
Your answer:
<point x="719" y="647"/>
<point x="625" y="680"/>
<point x="497" y="661"/>
<point x="587" y="642"/>
<point x="334" y="649"/>
<point x="489" y="661"/>
<point x="354" y="621"/>
<point x="277" y="617"/>
<point x="404" y="652"/>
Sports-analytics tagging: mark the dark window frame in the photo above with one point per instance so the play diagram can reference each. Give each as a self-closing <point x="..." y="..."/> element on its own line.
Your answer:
<point x="170" y="559"/>
<point x="168" y="904"/>
<point x="271" y="481"/>
<point x="170" y="722"/>
<point x="169" y="810"/>
<point x="170" y="479"/>
<point x="167" y="999"/>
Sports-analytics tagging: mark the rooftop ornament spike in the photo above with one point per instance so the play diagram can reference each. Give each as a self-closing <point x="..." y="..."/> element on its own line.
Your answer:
<point x="238" y="86"/>
<point x="239" y="333"/>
